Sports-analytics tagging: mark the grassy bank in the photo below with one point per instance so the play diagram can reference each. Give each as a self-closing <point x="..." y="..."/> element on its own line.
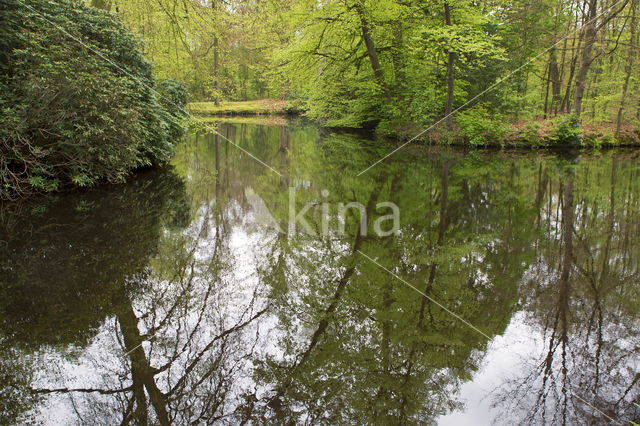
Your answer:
<point x="263" y="120"/>
<point x="242" y="108"/>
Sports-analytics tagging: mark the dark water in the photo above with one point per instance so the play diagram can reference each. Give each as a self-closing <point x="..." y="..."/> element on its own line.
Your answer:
<point x="511" y="292"/>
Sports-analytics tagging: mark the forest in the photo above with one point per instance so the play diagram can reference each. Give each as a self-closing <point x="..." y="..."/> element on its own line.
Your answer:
<point x="90" y="91"/>
<point x="401" y="65"/>
<point x="156" y="157"/>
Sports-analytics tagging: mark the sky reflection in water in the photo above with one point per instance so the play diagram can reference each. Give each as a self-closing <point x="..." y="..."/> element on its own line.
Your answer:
<point x="170" y="300"/>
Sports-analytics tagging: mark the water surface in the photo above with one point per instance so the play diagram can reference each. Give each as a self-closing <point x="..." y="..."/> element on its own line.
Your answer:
<point x="181" y="297"/>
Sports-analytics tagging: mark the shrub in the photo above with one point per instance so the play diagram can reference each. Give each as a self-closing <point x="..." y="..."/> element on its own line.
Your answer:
<point x="531" y="134"/>
<point x="77" y="113"/>
<point x="606" y="138"/>
<point x="478" y="129"/>
<point x="567" y="130"/>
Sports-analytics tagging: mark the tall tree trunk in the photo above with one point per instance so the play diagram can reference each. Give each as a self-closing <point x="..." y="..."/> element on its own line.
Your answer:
<point x="543" y="180"/>
<point x="547" y="74"/>
<point x="566" y="101"/>
<point x="451" y="57"/>
<point x="216" y="68"/>
<point x="554" y="76"/>
<point x="443" y="222"/>
<point x="590" y="33"/>
<point x="143" y="374"/>
<point x="216" y="59"/>
<point x="372" y="53"/>
<point x="561" y="78"/>
<point x="629" y="66"/>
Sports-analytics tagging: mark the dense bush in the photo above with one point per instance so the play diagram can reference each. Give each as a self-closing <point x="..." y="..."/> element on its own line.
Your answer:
<point x="567" y="130"/>
<point x="78" y="101"/>
<point x="479" y="127"/>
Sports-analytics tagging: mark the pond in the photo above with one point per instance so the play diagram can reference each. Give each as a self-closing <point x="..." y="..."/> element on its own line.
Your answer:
<point x="508" y="293"/>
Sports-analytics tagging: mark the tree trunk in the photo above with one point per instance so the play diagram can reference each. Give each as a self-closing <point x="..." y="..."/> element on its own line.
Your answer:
<point x="547" y="74"/>
<point x="216" y="69"/>
<point x="451" y="56"/>
<point x="142" y="372"/>
<point x="216" y="60"/>
<point x="372" y="53"/>
<point x="590" y="33"/>
<point x="566" y="101"/>
<point x="561" y="78"/>
<point x="554" y="76"/>
<point x="629" y="66"/>
<point x="442" y="229"/>
<point x="567" y="248"/>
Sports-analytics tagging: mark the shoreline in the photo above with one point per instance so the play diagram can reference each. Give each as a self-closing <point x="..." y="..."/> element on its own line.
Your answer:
<point x="535" y="134"/>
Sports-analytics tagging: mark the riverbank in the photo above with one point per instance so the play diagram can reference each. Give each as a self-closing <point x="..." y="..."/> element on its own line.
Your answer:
<point x="560" y="132"/>
<point x="242" y="108"/>
<point x="551" y="133"/>
<point x="469" y="130"/>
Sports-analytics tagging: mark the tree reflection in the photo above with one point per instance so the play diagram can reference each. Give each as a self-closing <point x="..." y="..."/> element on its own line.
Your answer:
<point x="171" y="303"/>
<point x="584" y="300"/>
<point x="358" y="346"/>
<point x="65" y="261"/>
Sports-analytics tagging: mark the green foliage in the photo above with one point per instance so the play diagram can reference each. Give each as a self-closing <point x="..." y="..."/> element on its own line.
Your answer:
<point x="78" y="100"/>
<point x="632" y="422"/>
<point x="478" y="129"/>
<point x="15" y="393"/>
<point x="567" y="130"/>
<point x="173" y="100"/>
<point x="531" y="134"/>
<point x="326" y="65"/>
<point x="598" y="139"/>
<point x="385" y="63"/>
<point x="186" y="41"/>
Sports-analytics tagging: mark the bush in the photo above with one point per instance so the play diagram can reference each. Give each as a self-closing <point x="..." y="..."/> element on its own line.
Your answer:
<point x="77" y="113"/>
<point x="567" y="130"/>
<point x="478" y="129"/>
<point x="531" y="134"/>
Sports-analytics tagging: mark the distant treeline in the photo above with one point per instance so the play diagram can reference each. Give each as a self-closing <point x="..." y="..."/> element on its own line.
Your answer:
<point x="394" y="63"/>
